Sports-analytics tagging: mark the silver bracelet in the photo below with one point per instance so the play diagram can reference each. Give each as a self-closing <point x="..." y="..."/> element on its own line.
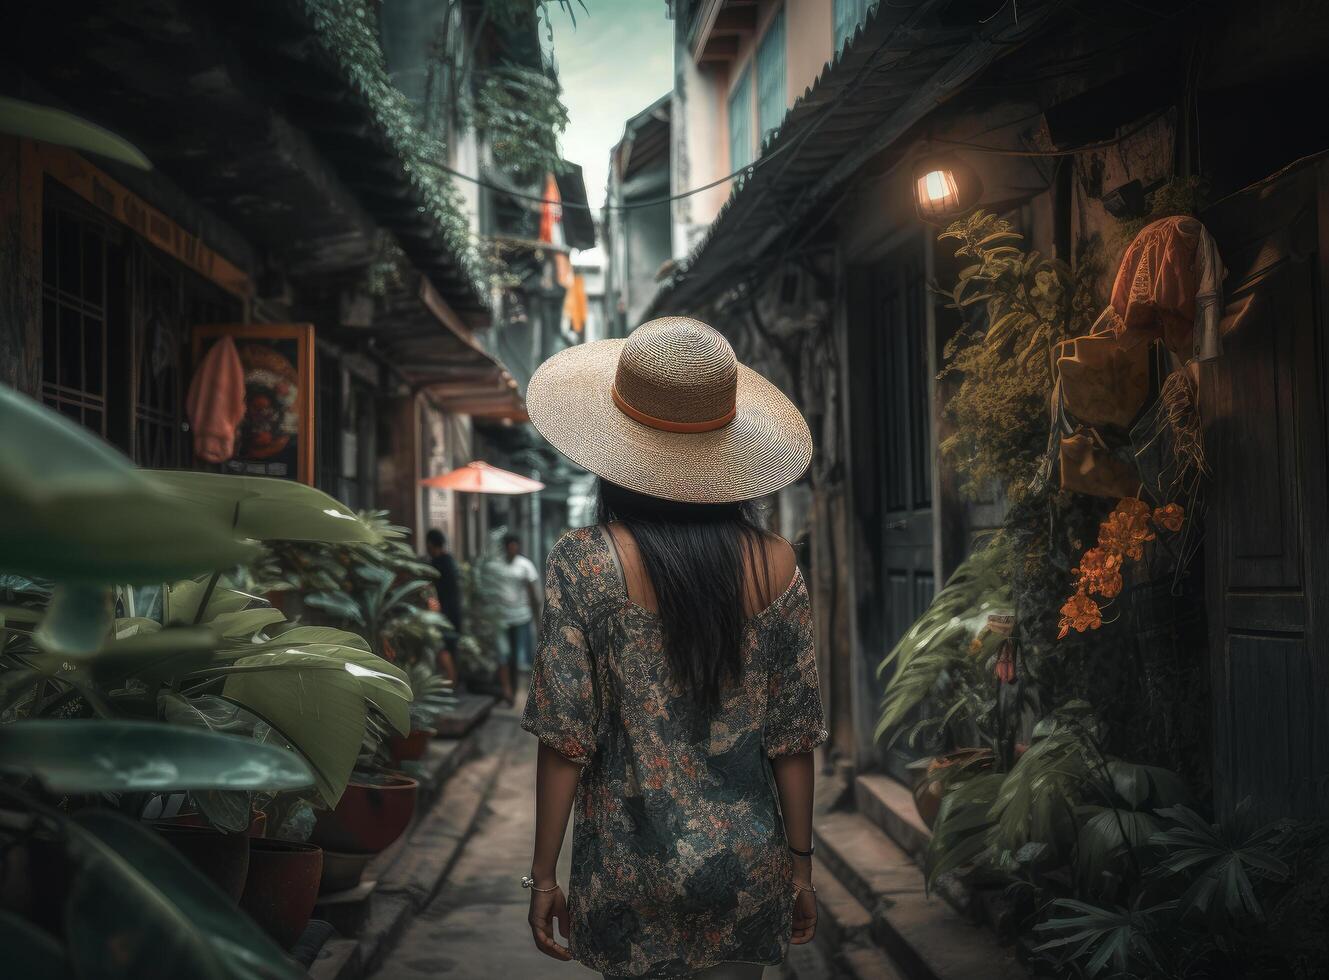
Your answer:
<point x="528" y="882"/>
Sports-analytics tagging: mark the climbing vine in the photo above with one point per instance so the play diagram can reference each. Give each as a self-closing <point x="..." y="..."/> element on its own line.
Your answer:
<point x="347" y="32"/>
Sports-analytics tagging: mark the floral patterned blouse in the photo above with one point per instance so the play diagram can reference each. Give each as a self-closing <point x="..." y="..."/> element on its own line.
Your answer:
<point x="679" y="859"/>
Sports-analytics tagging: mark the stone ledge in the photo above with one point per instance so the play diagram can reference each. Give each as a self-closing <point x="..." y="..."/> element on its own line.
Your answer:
<point x="409" y="873"/>
<point x="924" y="936"/>
<point x="890" y="805"/>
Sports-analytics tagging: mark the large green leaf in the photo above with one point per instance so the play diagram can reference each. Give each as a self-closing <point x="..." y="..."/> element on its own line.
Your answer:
<point x="265" y="508"/>
<point x="73" y="509"/>
<point x="313" y="702"/>
<point x="41" y="122"/>
<point x="77" y="621"/>
<point x="139" y="909"/>
<point x="30" y="951"/>
<point x="291" y="633"/>
<point x="101" y="756"/>
<point x="1039" y="795"/>
<point x="942" y="635"/>
<point x="182" y="599"/>
<point x="384" y="685"/>
<point x="960" y="833"/>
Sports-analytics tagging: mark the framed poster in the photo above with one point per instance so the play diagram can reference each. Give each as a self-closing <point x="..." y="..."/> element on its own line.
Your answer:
<point x="276" y="435"/>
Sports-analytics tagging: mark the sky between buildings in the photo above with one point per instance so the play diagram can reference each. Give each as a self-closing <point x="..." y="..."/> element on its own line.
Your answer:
<point x="616" y="61"/>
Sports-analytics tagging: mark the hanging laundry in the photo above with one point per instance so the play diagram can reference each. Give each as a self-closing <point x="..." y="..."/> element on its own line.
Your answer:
<point x="551" y="231"/>
<point x="216" y="402"/>
<point x="1168" y="286"/>
<point x="574" y="304"/>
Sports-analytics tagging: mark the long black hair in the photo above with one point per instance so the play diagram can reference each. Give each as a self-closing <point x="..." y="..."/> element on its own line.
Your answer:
<point x="696" y="556"/>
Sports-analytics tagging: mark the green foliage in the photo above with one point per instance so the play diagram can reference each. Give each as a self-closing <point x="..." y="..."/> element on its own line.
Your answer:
<point x="50" y="125"/>
<point x="75" y="509"/>
<point x="1124" y="939"/>
<point x="1177" y="195"/>
<point x="936" y="651"/>
<point x="131" y="756"/>
<point x="520" y="112"/>
<point x="1002" y="354"/>
<point x="1223" y="862"/>
<point x="348" y="32"/>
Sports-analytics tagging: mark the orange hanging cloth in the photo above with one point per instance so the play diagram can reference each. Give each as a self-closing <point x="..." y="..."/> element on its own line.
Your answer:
<point x="574" y="304"/>
<point x="1169" y="286"/>
<point x="216" y="402"/>
<point x="551" y="231"/>
<point x="551" y="213"/>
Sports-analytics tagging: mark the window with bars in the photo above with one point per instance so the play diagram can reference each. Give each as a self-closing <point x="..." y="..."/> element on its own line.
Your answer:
<point x="116" y="315"/>
<point x="849" y="14"/>
<point x="76" y="253"/>
<point x="740" y="122"/>
<point x="771" y="78"/>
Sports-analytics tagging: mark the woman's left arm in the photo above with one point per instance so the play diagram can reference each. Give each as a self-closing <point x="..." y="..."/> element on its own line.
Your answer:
<point x="555" y="787"/>
<point x="560" y="711"/>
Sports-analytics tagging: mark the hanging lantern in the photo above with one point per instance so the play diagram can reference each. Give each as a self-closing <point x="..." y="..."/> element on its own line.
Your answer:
<point x="944" y="187"/>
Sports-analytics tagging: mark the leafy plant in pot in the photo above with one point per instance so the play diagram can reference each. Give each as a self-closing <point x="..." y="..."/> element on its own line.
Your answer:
<point x="955" y="660"/>
<point x="207" y="658"/>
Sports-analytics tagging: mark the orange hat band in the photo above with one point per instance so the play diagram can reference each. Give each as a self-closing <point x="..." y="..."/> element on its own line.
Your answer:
<point x="668" y="425"/>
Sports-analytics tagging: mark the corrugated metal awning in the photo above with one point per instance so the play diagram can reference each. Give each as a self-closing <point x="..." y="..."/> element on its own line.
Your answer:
<point x="901" y="65"/>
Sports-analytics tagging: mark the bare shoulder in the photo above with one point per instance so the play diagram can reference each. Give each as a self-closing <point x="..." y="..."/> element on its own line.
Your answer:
<point x="781" y="565"/>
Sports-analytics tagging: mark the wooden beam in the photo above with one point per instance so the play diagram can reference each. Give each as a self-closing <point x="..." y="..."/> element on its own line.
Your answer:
<point x="735" y="20"/>
<point x="720" y="49"/>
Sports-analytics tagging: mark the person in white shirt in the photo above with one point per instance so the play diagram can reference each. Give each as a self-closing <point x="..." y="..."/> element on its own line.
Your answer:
<point x="519" y="611"/>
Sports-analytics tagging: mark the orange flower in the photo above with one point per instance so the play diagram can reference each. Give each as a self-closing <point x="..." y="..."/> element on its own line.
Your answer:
<point x="1080" y="613"/>
<point x="1099" y="571"/>
<point x="1170" y="516"/>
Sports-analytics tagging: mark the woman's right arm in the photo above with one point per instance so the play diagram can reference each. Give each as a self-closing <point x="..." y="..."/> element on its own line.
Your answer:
<point x="795" y="777"/>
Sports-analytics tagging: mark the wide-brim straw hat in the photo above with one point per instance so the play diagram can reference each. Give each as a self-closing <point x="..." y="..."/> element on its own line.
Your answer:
<point x="671" y="413"/>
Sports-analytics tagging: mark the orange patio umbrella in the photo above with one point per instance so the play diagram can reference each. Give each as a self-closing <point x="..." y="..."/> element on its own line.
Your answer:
<point x="480" y="477"/>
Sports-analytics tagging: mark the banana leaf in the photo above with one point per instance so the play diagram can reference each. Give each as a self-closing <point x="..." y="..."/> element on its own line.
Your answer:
<point x="103" y="756"/>
<point x="139" y="909"/>
<point x="73" y="509"/>
<point x="265" y="508"/>
<point x="41" y="122"/>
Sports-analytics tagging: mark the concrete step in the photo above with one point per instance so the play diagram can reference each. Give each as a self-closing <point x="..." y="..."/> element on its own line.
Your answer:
<point x="924" y="937"/>
<point x="868" y="963"/>
<point x="841" y="918"/>
<point x="467" y="712"/>
<point x="806" y="962"/>
<point x="890" y="805"/>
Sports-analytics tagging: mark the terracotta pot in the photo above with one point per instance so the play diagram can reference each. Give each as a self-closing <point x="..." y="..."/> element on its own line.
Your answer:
<point x="373" y="812"/>
<point x="931" y="784"/>
<point x="222" y="858"/>
<point x="409" y="748"/>
<point x="282" y="887"/>
<point x="342" y="872"/>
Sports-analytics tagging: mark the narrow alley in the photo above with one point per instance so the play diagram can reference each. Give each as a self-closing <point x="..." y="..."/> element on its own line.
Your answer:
<point x="476" y="924"/>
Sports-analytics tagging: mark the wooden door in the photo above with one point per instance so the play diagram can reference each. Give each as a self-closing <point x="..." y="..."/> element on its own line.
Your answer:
<point x="892" y="458"/>
<point x="1263" y="402"/>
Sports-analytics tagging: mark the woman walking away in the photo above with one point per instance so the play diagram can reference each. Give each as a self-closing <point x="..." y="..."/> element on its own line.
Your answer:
<point x="674" y="690"/>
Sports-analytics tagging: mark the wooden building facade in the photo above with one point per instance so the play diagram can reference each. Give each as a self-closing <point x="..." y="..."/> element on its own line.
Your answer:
<point x="821" y="272"/>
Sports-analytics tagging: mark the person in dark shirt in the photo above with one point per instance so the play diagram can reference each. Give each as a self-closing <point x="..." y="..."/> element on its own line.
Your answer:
<point x="448" y="587"/>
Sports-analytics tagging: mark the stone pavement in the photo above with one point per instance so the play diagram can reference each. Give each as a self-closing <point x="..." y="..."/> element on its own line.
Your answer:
<point x="476" y="926"/>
